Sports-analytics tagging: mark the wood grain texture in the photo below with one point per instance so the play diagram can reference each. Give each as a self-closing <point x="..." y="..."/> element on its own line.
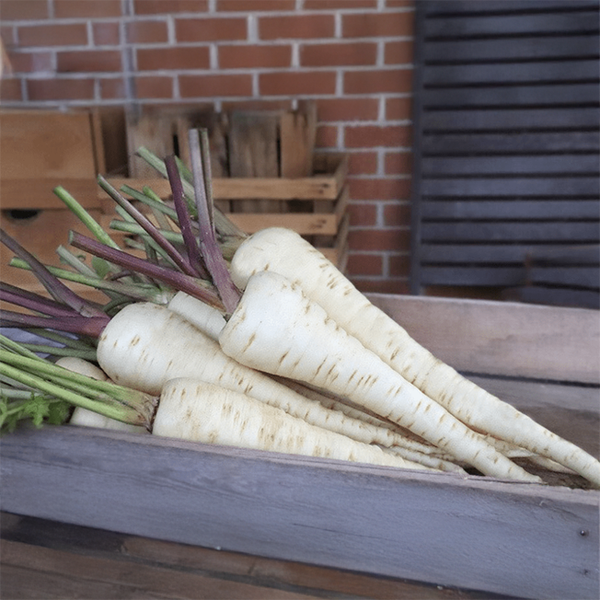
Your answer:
<point x="503" y="338"/>
<point x="60" y="541"/>
<point x="381" y="521"/>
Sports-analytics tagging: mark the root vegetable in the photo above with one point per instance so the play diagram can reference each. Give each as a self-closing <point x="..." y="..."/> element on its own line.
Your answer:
<point x="277" y="329"/>
<point x="283" y="251"/>
<point x="198" y="411"/>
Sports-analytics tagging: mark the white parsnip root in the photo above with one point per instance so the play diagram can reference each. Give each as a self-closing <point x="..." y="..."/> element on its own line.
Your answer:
<point x="283" y="251"/>
<point x="198" y="411"/>
<point x="277" y="329"/>
<point x="145" y="345"/>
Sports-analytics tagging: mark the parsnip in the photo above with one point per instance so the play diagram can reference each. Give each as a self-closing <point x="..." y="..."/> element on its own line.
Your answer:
<point x="198" y="411"/>
<point x="277" y="329"/>
<point x="145" y="345"/>
<point x="283" y="251"/>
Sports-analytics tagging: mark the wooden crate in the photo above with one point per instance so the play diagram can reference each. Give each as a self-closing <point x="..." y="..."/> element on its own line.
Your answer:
<point x="184" y="520"/>
<point x="313" y="206"/>
<point x="40" y="150"/>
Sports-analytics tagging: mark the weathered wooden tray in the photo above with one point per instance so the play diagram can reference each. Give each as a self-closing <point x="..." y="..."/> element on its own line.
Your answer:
<point x="473" y="533"/>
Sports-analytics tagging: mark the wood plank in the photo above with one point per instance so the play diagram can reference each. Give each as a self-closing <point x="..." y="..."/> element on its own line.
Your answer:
<point x="484" y="252"/>
<point x="481" y="120"/>
<point x="253" y="153"/>
<point x="510" y="209"/>
<point x="297" y="140"/>
<point x="69" y="575"/>
<point x="473" y="276"/>
<point x="560" y="297"/>
<point x="216" y="564"/>
<point x="502" y="338"/>
<point x="516" y="186"/>
<point x="46" y="145"/>
<point x="303" y="223"/>
<point x="543" y="72"/>
<point x="217" y="485"/>
<point x="498" y="231"/>
<point x="579" y="94"/>
<point x="452" y="7"/>
<point x="577" y="276"/>
<point x="319" y="187"/>
<point x="515" y="143"/>
<point x="21" y="194"/>
<point x="505" y="49"/>
<point x="443" y="27"/>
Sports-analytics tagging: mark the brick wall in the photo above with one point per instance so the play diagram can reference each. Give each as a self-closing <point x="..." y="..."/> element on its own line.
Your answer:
<point x="353" y="57"/>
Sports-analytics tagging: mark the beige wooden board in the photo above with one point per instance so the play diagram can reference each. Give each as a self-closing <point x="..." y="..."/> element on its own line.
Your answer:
<point x="41" y="235"/>
<point x="523" y="540"/>
<point x="17" y="194"/>
<point x="503" y="338"/>
<point x="297" y="141"/>
<point x="38" y="144"/>
<point x="305" y="224"/>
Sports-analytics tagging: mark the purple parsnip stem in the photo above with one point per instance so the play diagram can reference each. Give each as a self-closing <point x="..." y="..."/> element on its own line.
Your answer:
<point x="18" y="297"/>
<point x="57" y="289"/>
<point x="183" y="216"/>
<point x="178" y="281"/>
<point x="209" y="248"/>
<point x="92" y="326"/>
<point x="148" y="227"/>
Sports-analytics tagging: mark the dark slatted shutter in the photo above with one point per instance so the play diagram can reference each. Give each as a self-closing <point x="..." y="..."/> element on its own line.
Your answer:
<point x="507" y="150"/>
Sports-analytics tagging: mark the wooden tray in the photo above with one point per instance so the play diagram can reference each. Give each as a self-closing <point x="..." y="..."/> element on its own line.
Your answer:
<point x="471" y="533"/>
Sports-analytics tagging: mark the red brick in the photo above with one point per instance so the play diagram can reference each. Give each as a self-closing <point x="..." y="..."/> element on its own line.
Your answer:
<point x="154" y="87"/>
<point x="146" y="32"/>
<point x="365" y="264"/>
<point x="381" y="24"/>
<point x="399" y="265"/>
<point x="88" y="61"/>
<point x="60" y="89"/>
<point x="10" y="90"/>
<point x="327" y="136"/>
<point x="383" y="240"/>
<point x="382" y="286"/>
<point x="369" y="136"/>
<point x="253" y="57"/>
<point x="112" y="89"/>
<point x="362" y="163"/>
<point x="68" y="9"/>
<point x="398" y="163"/>
<point x="7" y="33"/>
<point x="362" y="214"/>
<point x="210" y="29"/>
<point x="397" y="109"/>
<point x="400" y="3"/>
<point x="175" y="57"/>
<point x="255" y="5"/>
<point x="347" y="109"/>
<point x="106" y="34"/>
<point x="391" y="81"/>
<point x="296" y="26"/>
<point x="71" y="34"/>
<point x="257" y="104"/>
<point x="18" y="10"/>
<point x="30" y="62"/>
<point x="397" y="214"/>
<point x="215" y="85"/>
<point x="155" y="7"/>
<point x="397" y="53"/>
<point x="338" y="4"/>
<point x="379" y="189"/>
<point x="319" y="55"/>
<point x="292" y="83"/>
